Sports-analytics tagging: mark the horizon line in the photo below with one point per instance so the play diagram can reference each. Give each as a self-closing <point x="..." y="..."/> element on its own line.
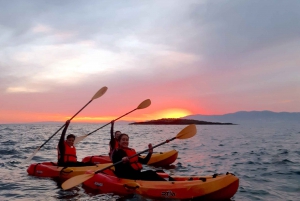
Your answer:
<point x="125" y="121"/>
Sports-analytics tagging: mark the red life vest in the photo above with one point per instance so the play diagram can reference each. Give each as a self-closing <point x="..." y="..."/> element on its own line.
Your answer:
<point x="70" y="153"/>
<point x="134" y="161"/>
<point x="116" y="144"/>
<point x="111" y="150"/>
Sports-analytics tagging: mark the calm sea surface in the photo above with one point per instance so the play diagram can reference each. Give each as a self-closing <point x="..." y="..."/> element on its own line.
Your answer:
<point x="265" y="156"/>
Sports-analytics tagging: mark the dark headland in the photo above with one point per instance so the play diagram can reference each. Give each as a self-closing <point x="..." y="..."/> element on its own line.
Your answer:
<point x="178" y="121"/>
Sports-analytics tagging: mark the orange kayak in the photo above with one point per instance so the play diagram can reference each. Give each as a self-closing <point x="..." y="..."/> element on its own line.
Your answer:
<point x="159" y="159"/>
<point x="216" y="187"/>
<point x="50" y="169"/>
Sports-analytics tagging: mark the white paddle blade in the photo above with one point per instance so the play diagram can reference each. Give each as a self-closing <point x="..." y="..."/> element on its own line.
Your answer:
<point x="76" y="180"/>
<point x="31" y="156"/>
<point x="100" y="93"/>
<point x="79" y="139"/>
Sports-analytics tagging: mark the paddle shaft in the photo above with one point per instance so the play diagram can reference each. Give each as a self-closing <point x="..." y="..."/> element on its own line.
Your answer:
<point x="136" y="154"/>
<point x="65" y="124"/>
<point x="97" y="95"/>
<point x="110" y="122"/>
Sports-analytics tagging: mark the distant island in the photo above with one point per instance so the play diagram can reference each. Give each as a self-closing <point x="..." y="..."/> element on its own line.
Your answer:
<point x="178" y="121"/>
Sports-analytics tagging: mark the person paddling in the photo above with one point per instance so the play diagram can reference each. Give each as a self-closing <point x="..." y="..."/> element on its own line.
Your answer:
<point x="131" y="168"/>
<point x="67" y="151"/>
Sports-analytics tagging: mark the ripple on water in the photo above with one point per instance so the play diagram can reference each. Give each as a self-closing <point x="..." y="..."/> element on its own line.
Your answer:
<point x="266" y="159"/>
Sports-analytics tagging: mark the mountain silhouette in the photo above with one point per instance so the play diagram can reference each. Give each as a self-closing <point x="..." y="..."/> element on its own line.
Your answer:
<point x="248" y="116"/>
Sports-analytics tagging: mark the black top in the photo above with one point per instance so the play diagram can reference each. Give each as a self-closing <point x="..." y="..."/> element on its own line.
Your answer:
<point x="112" y="141"/>
<point x="61" y="144"/>
<point x="125" y="170"/>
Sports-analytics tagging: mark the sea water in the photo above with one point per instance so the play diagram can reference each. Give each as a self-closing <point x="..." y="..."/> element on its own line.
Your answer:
<point x="264" y="155"/>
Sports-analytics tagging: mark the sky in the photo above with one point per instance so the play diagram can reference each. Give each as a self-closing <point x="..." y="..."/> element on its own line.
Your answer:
<point x="187" y="57"/>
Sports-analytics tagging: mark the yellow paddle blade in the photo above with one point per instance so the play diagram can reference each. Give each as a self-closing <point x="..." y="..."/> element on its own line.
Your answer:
<point x="187" y="132"/>
<point x="79" y="139"/>
<point x="76" y="180"/>
<point x="144" y="104"/>
<point x="100" y="93"/>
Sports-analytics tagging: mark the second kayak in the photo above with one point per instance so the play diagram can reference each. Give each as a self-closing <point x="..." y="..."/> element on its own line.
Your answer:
<point x="50" y="169"/>
<point x="159" y="159"/>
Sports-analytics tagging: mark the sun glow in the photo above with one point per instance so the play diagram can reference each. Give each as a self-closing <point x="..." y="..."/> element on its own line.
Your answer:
<point x="94" y="119"/>
<point x="172" y="113"/>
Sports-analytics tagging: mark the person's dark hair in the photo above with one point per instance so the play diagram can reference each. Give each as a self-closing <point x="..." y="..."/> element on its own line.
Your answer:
<point x="118" y="132"/>
<point x="71" y="136"/>
<point x="122" y="136"/>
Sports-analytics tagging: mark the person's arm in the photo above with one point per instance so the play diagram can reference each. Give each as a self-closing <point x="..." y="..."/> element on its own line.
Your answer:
<point x="147" y="158"/>
<point x="61" y="144"/>
<point x="112" y="137"/>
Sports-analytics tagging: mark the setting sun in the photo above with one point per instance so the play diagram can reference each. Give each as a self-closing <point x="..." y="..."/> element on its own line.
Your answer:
<point x="173" y="113"/>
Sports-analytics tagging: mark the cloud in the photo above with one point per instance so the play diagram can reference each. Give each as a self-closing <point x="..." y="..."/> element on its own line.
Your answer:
<point x="188" y="51"/>
<point x="20" y="89"/>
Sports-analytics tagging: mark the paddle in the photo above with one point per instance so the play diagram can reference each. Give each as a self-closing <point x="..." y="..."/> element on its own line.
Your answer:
<point x="97" y="95"/>
<point x="185" y="133"/>
<point x="142" y="105"/>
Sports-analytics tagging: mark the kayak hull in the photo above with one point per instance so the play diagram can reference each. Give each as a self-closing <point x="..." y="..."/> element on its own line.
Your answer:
<point x="216" y="187"/>
<point x="159" y="159"/>
<point x="50" y="169"/>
